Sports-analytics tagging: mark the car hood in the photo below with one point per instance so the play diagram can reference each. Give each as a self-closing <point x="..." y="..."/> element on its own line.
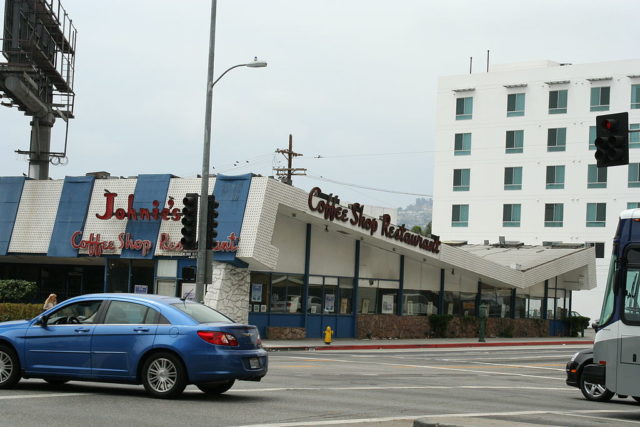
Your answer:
<point x="14" y="324"/>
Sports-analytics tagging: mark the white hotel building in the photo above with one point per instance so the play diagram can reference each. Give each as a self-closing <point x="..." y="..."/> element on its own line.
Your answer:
<point x="515" y="158"/>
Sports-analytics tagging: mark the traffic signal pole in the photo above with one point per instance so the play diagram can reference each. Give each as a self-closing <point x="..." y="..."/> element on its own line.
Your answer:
<point x="202" y="259"/>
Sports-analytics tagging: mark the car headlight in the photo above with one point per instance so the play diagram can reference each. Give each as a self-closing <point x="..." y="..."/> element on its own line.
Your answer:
<point x="574" y="356"/>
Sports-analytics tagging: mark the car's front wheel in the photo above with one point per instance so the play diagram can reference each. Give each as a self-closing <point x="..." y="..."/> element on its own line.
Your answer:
<point x="163" y="375"/>
<point x="216" y="388"/>
<point x="595" y="392"/>
<point x="9" y="367"/>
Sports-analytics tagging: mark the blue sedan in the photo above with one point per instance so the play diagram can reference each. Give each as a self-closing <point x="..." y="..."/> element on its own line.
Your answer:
<point x="162" y="342"/>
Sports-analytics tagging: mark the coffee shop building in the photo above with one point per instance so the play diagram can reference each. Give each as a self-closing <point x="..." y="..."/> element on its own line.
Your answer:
<point x="287" y="260"/>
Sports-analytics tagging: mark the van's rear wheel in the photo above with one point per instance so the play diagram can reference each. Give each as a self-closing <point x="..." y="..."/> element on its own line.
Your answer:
<point x="595" y="392"/>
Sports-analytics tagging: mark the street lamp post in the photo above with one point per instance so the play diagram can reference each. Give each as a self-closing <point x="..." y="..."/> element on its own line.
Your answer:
<point x="201" y="262"/>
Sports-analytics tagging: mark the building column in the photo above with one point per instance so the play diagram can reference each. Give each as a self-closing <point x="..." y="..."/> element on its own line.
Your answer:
<point x="307" y="262"/>
<point x="401" y="290"/>
<point x="229" y="291"/>
<point x="478" y="299"/>
<point x="441" y="295"/>
<point x="356" y="281"/>
<point x="543" y="307"/>
<point x="512" y="309"/>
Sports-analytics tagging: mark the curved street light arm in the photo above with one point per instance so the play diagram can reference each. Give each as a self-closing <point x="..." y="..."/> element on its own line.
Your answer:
<point x="226" y="71"/>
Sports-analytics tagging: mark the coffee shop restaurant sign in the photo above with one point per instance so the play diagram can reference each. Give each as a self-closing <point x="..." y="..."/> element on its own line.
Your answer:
<point x="329" y="206"/>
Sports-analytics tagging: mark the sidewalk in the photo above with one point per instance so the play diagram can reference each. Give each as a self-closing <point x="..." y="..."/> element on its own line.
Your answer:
<point x="316" y="344"/>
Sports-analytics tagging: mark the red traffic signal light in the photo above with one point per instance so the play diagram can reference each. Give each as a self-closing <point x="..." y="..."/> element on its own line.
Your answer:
<point x="612" y="140"/>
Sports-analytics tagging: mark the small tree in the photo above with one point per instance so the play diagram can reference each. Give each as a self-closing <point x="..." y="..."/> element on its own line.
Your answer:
<point x="416" y="229"/>
<point x="17" y="290"/>
<point x="427" y="229"/>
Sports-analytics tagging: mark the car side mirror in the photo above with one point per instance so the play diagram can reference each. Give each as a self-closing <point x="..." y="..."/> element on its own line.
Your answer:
<point x="595" y="326"/>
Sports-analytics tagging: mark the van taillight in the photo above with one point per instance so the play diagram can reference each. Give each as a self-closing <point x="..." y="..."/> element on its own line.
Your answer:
<point x="218" y="338"/>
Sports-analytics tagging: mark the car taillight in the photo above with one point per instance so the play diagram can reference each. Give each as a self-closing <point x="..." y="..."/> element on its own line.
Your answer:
<point x="218" y="338"/>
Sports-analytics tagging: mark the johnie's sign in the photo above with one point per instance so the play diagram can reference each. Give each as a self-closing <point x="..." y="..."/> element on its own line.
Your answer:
<point x="155" y="213"/>
<point x="354" y="214"/>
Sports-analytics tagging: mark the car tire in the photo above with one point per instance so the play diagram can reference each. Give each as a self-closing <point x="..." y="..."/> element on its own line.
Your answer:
<point x="55" y="381"/>
<point x="163" y="375"/>
<point x="216" y="388"/>
<point x="9" y="367"/>
<point x="594" y="392"/>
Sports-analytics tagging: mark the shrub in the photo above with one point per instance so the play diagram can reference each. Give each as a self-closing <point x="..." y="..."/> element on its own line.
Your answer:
<point x="439" y="324"/>
<point x="9" y="311"/>
<point x="577" y="324"/>
<point x="17" y="290"/>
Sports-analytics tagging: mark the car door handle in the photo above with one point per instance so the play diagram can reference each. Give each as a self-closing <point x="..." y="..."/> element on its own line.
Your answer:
<point x="141" y="329"/>
<point x="82" y="329"/>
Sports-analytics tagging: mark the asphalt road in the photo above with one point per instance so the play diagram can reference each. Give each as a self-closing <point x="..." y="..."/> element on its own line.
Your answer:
<point x="493" y="386"/>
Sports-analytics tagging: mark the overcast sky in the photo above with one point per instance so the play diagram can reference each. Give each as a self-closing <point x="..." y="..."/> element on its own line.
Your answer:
<point x="354" y="81"/>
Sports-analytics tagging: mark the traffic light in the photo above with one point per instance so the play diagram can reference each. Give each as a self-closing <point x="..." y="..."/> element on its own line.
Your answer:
<point x="189" y="221"/>
<point x="212" y="224"/>
<point x="612" y="139"/>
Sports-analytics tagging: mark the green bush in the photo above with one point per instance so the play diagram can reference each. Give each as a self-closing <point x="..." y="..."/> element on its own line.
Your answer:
<point x="577" y="324"/>
<point x="9" y="311"/>
<point x="439" y="324"/>
<point x="17" y="290"/>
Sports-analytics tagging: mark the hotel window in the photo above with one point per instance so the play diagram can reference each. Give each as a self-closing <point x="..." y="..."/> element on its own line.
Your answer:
<point x="592" y="137"/>
<point x="461" y="179"/>
<point x="596" y="214"/>
<point x="460" y="215"/>
<point x="511" y="215"/>
<point x="515" y="140"/>
<point x="596" y="177"/>
<point x="558" y="101"/>
<point x="555" y="177"/>
<point x="553" y="214"/>
<point x="635" y="97"/>
<point x="600" y="98"/>
<point x="633" y="205"/>
<point x="462" y="144"/>
<point x="513" y="178"/>
<point x="515" y="104"/>
<point x="557" y="139"/>
<point x="464" y="108"/>
<point x="634" y="137"/>
<point x="634" y="175"/>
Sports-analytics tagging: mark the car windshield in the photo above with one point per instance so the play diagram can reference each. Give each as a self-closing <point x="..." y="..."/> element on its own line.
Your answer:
<point x="201" y="313"/>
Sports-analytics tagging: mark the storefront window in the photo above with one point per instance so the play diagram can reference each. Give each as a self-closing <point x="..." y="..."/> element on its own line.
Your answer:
<point x="259" y="292"/>
<point x="452" y="304"/>
<point x="521" y="306"/>
<point x="345" y="285"/>
<point x="367" y="299"/>
<point x="377" y="296"/>
<point x="467" y="303"/>
<point x="118" y="275"/>
<point x="419" y="303"/>
<point x="286" y="293"/>
<point x="534" y="307"/>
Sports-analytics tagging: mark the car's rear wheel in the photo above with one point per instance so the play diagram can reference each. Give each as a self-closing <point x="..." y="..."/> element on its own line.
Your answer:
<point x="595" y="392"/>
<point x="216" y="388"/>
<point x="9" y="367"/>
<point x="163" y="375"/>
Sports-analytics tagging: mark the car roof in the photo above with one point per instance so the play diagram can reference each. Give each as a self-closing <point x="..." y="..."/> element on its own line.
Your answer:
<point x="160" y="299"/>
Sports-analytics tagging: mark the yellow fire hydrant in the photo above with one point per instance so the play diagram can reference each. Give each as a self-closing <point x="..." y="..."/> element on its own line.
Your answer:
<point x="328" y="333"/>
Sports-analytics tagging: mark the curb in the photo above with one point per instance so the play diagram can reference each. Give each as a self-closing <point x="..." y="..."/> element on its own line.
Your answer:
<point x="408" y="346"/>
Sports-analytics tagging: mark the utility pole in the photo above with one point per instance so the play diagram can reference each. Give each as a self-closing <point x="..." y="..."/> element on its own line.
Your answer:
<point x="289" y="171"/>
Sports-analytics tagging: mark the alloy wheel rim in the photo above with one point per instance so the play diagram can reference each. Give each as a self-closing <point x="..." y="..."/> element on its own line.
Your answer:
<point x="595" y="390"/>
<point x="162" y="375"/>
<point x="6" y="367"/>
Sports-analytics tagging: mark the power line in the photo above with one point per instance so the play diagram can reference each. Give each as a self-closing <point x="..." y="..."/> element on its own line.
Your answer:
<point x="321" y="178"/>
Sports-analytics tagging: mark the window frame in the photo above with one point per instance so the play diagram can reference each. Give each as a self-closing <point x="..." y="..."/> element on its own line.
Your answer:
<point x="596" y="103"/>
<point x="517" y="137"/>
<point x="464" y="108"/>
<point x="515" y="176"/>
<point x="559" y="104"/>
<point x="596" y="214"/>
<point x="511" y="214"/>
<point x="462" y="144"/>
<point x="463" y="176"/>
<point x="515" y="104"/>
<point x="635" y="97"/>
<point x="556" y="139"/>
<point x="557" y="215"/>
<point x="596" y="177"/>
<point x="462" y="219"/>
<point x="633" y="171"/>
<point x="556" y="183"/>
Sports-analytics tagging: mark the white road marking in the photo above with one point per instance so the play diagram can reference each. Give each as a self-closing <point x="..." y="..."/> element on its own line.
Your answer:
<point x="520" y="366"/>
<point x="42" y="396"/>
<point x="443" y="368"/>
<point x="460" y="415"/>
<point x="408" y="387"/>
<point x="618" y="420"/>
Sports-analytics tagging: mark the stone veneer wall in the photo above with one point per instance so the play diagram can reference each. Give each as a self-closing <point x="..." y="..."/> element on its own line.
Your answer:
<point x="229" y="291"/>
<point x="392" y="326"/>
